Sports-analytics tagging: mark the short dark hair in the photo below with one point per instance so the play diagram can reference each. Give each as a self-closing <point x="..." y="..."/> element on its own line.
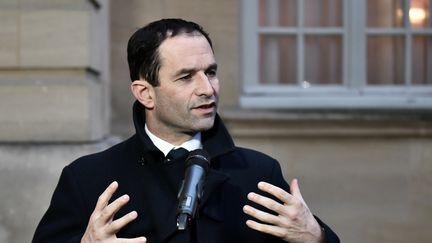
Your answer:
<point x="143" y="46"/>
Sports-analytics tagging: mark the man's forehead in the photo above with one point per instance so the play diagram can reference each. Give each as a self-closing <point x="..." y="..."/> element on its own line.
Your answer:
<point x="179" y="48"/>
<point x="181" y="37"/>
<point x="169" y="33"/>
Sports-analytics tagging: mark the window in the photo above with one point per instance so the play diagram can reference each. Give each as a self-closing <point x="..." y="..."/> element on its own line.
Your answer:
<point x="337" y="54"/>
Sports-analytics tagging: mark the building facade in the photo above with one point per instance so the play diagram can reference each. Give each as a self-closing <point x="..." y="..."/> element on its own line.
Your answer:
<point x="339" y="91"/>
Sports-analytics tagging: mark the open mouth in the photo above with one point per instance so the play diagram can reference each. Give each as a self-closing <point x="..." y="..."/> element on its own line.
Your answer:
<point x="208" y="106"/>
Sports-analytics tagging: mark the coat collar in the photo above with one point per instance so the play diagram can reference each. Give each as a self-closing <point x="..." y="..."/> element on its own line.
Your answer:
<point x="216" y="141"/>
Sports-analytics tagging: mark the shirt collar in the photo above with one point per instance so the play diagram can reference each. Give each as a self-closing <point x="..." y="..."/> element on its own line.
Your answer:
<point x="165" y="147"/>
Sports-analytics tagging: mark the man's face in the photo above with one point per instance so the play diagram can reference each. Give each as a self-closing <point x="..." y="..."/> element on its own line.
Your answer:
<point x="185" y="102"/>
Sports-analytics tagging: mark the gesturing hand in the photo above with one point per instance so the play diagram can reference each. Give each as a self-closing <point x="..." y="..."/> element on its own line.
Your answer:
<point x="294" y="221"/>
<point x="101" y="226"/>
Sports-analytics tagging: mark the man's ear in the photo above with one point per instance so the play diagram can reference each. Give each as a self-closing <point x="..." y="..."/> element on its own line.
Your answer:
<point x="143" y="92"/>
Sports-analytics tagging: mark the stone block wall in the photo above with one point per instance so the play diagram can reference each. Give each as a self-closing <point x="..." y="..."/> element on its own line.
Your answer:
<point x="54" y="101"/>
<point x="53" y="71"/>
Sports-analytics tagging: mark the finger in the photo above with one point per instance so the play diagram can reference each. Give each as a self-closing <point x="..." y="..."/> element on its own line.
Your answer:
<point x="118" y="224"/>
<point x="109" y="211"/>
<point x="266" y="202"/>
<point x="260" y="215"/>
<point x="295" y="189"/>
<point x="132" y="240"/>
<point x="106" y="196"/>
<point x="279" y="193"/>
<point x="265" y="228"/>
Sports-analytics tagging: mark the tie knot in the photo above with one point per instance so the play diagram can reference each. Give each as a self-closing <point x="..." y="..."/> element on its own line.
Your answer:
<point x="176" y="154"/>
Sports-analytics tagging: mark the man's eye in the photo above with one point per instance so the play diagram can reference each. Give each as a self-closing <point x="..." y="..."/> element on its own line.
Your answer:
<point x="211" y="73"/>
<point x="186" y="77"/>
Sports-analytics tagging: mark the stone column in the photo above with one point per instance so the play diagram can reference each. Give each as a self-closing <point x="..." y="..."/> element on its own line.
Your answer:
<point x="54" y="101"/>
<point x="53" y="70"/>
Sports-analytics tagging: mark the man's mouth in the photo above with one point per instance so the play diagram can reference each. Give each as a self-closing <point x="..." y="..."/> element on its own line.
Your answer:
<point x="206" y="106"/>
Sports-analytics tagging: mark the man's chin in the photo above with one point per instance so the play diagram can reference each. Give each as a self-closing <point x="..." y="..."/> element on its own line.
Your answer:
<point x="205" y="124"/>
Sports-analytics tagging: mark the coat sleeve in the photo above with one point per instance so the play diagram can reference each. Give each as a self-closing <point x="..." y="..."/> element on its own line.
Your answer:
<point x="278" y="180"/>
<point x="66" y="217"/>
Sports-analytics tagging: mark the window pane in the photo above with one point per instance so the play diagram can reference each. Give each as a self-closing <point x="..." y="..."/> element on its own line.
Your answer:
<point x="323" y="60"/>
<point x="422" y="60"/>
<point x="278" y="62"/>
<point x="323" y="13"/>
<point x="419" y="13"/>
<point x="277" y="12"/>
<point x="385" y="60"/>
<point x="385" y="13"/>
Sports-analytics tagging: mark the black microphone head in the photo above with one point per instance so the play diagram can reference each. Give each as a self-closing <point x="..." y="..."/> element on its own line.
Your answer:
<point x="199" y="157"/>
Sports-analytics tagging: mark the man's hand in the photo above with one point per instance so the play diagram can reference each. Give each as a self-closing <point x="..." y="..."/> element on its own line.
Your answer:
<point x="101" y="226"/>
<point x="294" y="221"/>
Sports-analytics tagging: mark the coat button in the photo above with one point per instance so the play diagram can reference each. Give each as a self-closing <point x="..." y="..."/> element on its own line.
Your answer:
<point x="142" y="161"/>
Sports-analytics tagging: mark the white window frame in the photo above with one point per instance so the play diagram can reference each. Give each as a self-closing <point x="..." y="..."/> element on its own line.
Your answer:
<point x="353" y="93"/>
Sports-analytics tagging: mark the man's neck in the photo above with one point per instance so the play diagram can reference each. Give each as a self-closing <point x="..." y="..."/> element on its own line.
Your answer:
<point x="175" y="139"/>
<point x="165" y="146"/>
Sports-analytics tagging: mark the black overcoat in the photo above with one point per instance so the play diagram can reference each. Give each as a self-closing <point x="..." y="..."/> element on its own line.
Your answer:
<point x="139" y="168"/>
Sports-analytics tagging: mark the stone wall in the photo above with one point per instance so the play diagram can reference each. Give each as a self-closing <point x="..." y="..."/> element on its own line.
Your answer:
<point x="28" y="176"/>
<point x="63" y="75"/>
<point x="53" y="71"/>
<point x="54" y="101"/>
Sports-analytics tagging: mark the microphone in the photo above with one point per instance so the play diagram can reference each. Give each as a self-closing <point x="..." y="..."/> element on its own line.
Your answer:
<point x="197" y="166"/>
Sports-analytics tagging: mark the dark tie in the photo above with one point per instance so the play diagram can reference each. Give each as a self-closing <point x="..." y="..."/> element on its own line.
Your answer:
<point x="176" y="154"/>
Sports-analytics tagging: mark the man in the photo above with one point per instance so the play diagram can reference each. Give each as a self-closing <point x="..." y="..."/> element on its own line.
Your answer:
<point x="174" y="81"/>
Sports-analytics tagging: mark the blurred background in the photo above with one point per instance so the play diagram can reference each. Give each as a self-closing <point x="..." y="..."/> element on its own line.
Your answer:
<point x="339" y="91"/>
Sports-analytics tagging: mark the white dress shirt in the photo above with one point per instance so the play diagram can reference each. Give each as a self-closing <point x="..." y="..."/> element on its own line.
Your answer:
<point x="166" y="147"/>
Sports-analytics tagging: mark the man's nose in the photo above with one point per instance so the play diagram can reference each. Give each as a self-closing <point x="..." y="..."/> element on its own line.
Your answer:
<point x="204" y="85"/>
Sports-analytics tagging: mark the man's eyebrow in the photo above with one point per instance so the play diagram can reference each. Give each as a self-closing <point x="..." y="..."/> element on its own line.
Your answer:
<point x="184" y="71"/>
<point x="212" y="66"/>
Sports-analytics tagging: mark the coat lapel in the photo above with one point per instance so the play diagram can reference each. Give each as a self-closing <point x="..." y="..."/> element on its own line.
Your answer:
<point x="158" y="183"/>
<point x="214" y="209"/>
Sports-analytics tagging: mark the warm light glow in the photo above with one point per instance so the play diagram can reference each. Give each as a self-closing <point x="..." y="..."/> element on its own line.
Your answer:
<point x="417" y="15"/>
<point x="399" y="13"/>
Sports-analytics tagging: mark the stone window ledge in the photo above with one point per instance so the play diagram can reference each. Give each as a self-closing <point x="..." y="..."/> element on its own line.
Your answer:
<point x="280" y="123"/>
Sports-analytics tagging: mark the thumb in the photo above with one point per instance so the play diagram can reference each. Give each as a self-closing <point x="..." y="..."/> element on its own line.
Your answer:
<point x="295" y="189"/>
